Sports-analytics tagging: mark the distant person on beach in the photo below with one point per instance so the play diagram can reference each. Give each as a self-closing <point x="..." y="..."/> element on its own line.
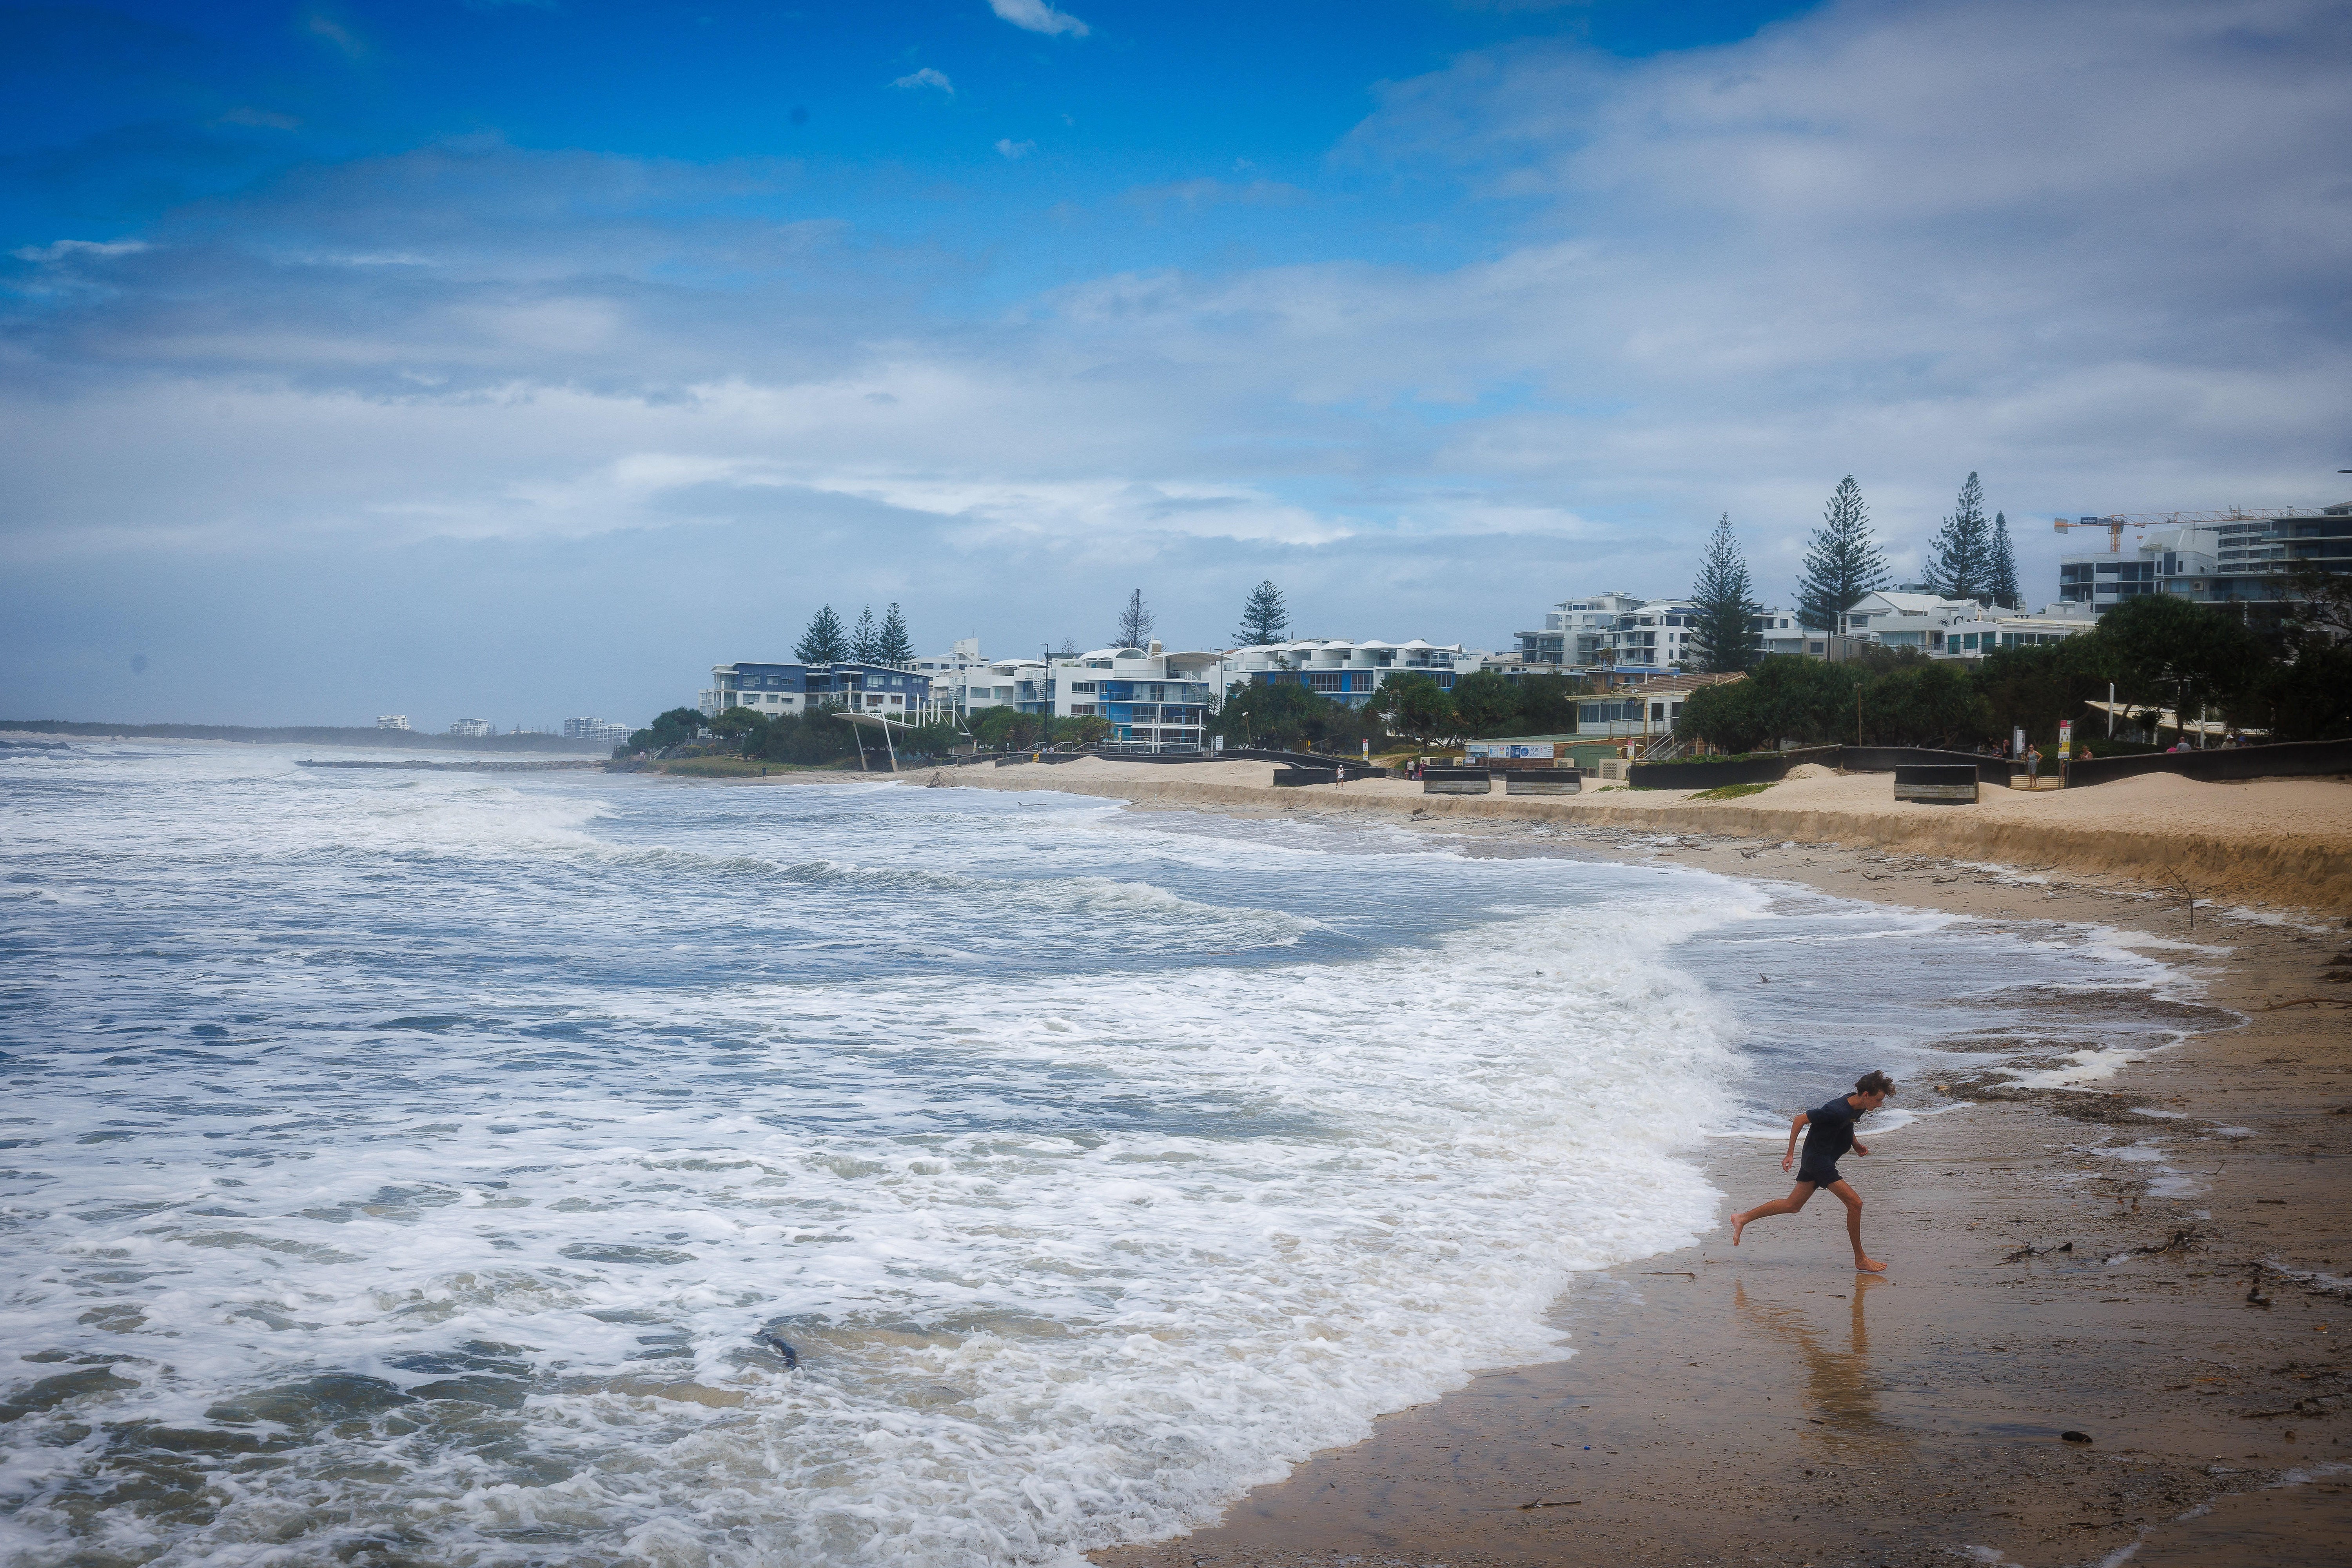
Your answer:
<point x="1829" y="1133"/>
<point x="2032" y="767"/>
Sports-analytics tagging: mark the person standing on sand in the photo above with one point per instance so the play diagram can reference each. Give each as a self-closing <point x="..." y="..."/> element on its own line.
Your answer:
<point x="1829" y="1133"/>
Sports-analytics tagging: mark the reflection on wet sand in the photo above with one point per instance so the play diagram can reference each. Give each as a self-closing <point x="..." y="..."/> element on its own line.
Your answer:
<point x="1840" y="1384"/>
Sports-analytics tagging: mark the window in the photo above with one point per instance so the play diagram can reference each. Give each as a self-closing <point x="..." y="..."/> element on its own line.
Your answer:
<point x="1078" y="685"/>
<point x="1861" y="620"/>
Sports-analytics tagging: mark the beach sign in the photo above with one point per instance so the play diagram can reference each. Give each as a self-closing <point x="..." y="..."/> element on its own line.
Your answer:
<point x="2065" y="739"/>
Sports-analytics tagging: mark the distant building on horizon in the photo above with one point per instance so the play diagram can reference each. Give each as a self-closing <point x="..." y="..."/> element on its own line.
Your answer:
<point x="597" y="730"/>
<point x="392" y="721"/>
<point x="473" y="728"/>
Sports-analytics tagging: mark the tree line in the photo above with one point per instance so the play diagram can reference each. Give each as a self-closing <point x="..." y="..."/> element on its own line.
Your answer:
<point x="2290" y="676"/>
<point x="827" y="641"/>
<point x="1970" y="558"/>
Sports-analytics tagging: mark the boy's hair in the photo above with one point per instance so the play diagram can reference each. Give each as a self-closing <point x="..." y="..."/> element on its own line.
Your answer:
<point x="1874" y="1083"/>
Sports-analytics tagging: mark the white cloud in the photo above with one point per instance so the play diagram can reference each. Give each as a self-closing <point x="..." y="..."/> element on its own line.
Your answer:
<point x="69" y="250"/>
<point x="1012" y="149"/>
<point x="927" y="77"/>
<point x="1038" y="17"/>
<point x="322" y="26"/>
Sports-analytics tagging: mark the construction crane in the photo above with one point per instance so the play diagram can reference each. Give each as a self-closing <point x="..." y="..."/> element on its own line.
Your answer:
<point x="2116" y="523"/>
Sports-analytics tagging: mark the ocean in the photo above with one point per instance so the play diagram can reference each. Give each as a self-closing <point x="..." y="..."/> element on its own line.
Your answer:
<point x="431" y="1168"/>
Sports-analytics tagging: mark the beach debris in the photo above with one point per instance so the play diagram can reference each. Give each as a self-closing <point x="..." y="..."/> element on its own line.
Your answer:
<point x="2075" y="1436"/>
<point x="2022" y="1253"/>
<point x="2181" y="1240"/>
<point x="1764" y="977"/>
<point x="1569" y="1502"/>
<point x="784" y="1348"/>
<point x="2255" y="1297"/>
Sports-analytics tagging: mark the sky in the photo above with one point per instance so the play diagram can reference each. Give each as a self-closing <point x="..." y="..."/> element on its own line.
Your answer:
<point x="519" y="360"/>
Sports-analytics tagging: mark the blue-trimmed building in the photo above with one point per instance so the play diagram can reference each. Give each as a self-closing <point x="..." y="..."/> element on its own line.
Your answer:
<point x="1348" y="672"/>
<point x="1153" y="700"/>
<point x="777" y="689"/>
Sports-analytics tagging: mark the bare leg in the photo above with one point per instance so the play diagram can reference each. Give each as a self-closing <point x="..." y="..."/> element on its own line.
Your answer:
<point x="1796" y="1199"/>
<point x="1852" y="1200"/>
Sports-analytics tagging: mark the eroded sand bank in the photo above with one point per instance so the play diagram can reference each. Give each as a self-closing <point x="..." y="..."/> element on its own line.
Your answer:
<point x="2286" y="841"/>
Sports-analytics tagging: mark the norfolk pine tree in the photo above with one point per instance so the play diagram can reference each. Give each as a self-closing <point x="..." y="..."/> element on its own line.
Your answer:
<point x="1959" y="561"/>
<point x="891" y="644"/>
<point x="2004" y="566"/>
<point x="1726" y="603"/>
<point x="823" y="642"/>
<point x="1842" y="563"/>
<point x="1265" y="617"/>
<point x="1134" y="622"/>
<point x="864" y="640"/>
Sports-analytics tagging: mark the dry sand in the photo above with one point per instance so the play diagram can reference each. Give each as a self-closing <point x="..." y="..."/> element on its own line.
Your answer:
<point x="2161" y="1263"/>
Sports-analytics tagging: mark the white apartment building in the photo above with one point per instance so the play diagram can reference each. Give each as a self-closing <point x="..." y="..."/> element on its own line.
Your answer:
<point x="1952" y="629"/>
<point x="1637" y="639"/>
<point x="962" y="682"/>
<point x="1345" y="672"/>
<point x="1154" y="699"/>
<point x="473" y="728"/>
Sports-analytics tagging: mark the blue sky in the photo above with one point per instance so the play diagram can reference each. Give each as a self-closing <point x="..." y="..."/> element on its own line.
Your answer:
<point x="515" y="361"/>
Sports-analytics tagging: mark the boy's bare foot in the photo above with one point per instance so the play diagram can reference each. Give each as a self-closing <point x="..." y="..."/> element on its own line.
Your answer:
<point x="1738" y="1225"/>
<point x="1870" y="1265"/>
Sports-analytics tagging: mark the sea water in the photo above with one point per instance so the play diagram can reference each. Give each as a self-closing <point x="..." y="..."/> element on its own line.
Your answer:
<point x="427" y="1167"/>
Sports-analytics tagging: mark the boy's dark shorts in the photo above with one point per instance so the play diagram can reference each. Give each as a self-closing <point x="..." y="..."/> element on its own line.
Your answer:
<point x="1820" y="1178"/>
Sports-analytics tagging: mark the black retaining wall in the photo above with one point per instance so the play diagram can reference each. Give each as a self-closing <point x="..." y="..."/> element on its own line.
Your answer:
<point x="2290" y="759"/>
<point x="1886" y="759"/>
<point x="1706" y="774"/>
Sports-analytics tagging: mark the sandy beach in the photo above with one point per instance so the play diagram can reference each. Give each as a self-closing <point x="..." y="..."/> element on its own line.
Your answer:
<point x="2158" y="1262"/>
<point x="2283" y="841"/>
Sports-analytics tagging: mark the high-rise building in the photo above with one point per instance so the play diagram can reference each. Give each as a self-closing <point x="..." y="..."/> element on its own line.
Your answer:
<point x="2217" y="558"/>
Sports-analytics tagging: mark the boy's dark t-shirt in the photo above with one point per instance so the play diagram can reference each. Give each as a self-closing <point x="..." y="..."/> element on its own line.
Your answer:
<point x="1829" y="1133"/>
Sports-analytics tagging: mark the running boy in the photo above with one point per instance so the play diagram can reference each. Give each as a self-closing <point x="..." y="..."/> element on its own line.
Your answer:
<point x="1831" y="1134"/>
